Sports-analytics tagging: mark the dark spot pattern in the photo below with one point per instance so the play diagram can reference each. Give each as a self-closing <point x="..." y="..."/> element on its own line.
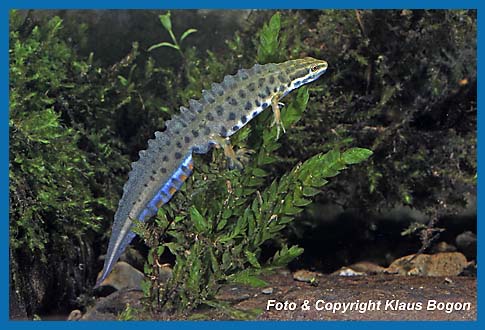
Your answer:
<point x="209" y="98"/>
<point x="242" y="94"/>
<point x="235" y="128"/>
<point x="209" y="116"/>
<point x="219" y="110"/>
<point x="178" y="144"/>
<point x="223" y="131"/>
<point x="195" y="133"/>
<point x="165" y="158"/>
<point x="257" y="103"/>
<point x="154" y="172"/>
<point x="244" y="119"/>
<point x="178" y="155"/>
<point x="251" y="87"/>
<point x="265" y="105"/>
<point x="247" y="106"/>
<point x="163" y="170"/>
<point x="167" y="142"/>
<point x="271" y="80"/>
<point x="232" y="116"/>
<point x="255" y="113"/>
<point x="261" y="82"/>
<point x="231" y="101"/>
<point x="281" y="78"/>
<point x="207" y="130"/>
<point x="268" y="91"/>
<point x="187" y="139"/>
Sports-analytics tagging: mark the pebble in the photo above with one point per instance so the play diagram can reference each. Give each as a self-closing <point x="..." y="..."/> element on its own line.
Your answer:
<point x="304" y="275"/>
<point x="440" y="264"/>
<point x="267" y="291"/>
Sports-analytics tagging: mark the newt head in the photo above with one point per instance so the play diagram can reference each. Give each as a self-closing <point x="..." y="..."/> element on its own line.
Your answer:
<point x="306" y="70"/>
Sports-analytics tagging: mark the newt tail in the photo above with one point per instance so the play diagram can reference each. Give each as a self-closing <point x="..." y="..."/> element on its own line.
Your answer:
<point x="222" y="111"/>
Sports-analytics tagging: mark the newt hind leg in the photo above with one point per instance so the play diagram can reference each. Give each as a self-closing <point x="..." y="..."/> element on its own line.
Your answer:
<point x="235" y="158"/>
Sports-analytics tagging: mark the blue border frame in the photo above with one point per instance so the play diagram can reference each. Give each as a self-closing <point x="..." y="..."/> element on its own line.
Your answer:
<point x="6" y="6"/>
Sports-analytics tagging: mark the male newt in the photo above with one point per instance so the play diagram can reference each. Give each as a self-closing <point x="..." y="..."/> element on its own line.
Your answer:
<point x="221" y="112"/>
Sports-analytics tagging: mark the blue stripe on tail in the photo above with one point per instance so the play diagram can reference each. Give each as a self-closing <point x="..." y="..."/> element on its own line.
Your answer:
<point x="164" y="194"/>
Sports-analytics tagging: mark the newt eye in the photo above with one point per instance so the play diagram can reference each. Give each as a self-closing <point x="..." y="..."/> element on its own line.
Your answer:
<point x="314" y="68"/>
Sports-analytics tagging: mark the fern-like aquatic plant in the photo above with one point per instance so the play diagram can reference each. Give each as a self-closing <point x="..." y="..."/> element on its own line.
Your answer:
<point x="217" y="224"/>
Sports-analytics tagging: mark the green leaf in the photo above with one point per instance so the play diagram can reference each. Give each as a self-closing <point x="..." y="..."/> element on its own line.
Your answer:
<point x="285" y="255"/>
<point x="199" y="221"/>
<point x="123" y="80"/>
<point x="295" y="110"/>
<point x="275" y="23"/>
<point x="166" y="22"/>
<point x="187" y="33"/>
<point x="163" y="44"/>
<point x="247" y="277"/>
<point x="252" y="259"/>
<point x="310" y="191"/>
<point x="259" y="173"/>
<point x="173" y="247"/>
<point x="356" y="155"/>
<point x="301" y="202"/>
<point x="221" y="224"/>
<point x="269" y="45"/>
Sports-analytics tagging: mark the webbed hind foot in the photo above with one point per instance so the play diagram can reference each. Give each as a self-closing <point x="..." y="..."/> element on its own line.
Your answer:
<point x="235" y="158"/>
<point x="242" y="156"/>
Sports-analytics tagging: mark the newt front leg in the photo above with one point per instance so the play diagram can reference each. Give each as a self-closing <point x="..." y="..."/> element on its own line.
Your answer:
<point x="275" y="105"/>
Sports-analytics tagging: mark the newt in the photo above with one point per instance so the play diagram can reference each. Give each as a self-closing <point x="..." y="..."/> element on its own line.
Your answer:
<point x="222" y="111"/>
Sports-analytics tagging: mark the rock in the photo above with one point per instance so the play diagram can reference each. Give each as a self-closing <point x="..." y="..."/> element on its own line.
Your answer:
<point x="347" y="271"/>
<point x="123" y="276"/>
<point x="304" y="275"/>
<point x="443" y="247"/>
<point x="165" y="273"/>
<point x="234" y="293"/>
<point x="75" y="315"/>
<point x="440" y="264"/>
<point x="467" y="243"/>
<point x="110" y="307"/>
<point x="359" y="269"/>
<point x="267" y="291"/>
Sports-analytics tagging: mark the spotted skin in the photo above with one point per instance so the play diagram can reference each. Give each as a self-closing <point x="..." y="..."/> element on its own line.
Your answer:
<point x="221" y="112"/>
